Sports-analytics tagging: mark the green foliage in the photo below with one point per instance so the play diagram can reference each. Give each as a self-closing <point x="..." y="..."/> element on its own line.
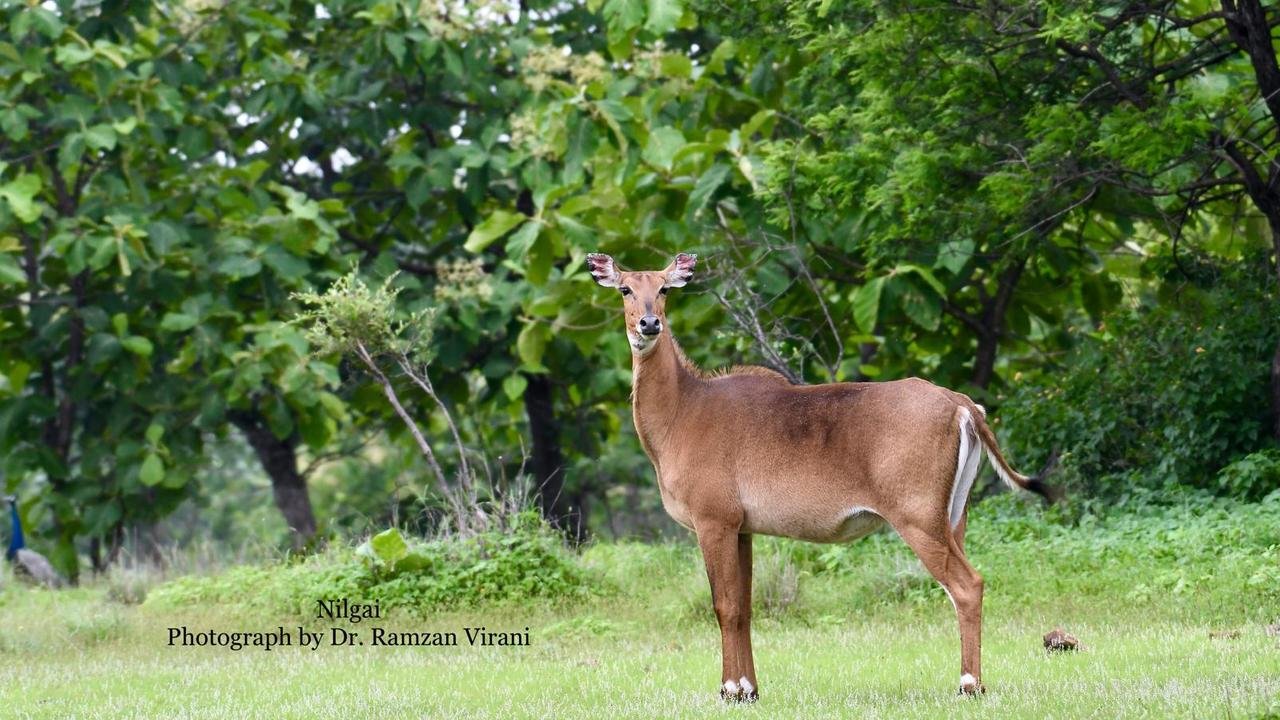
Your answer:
<point x="1200" y="556"/>
<point x="1165" y="396"/>
<point x="1251" y="476"/>
<point x="350" y="318"/>
<point x="175" y="179"/>
<point x="525" y="565"/>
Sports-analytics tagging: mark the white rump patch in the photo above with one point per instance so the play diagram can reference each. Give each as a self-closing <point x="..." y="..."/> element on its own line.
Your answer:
<point x="966" y="466"/>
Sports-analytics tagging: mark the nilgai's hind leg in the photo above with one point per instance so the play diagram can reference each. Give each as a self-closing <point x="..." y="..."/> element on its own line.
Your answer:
<point x="746" y="663"/>
<point x="720" y="550"/>
<point x="944" y="558"/>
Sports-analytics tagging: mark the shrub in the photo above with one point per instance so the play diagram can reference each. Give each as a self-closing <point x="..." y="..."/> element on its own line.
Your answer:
<point x="525" y="564"/>
<point x="1164" y="397"/>
<point x="1253" y="475"/>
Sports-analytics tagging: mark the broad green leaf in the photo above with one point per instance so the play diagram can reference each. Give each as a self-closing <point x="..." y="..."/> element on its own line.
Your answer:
<point x="923" y="274"/>
<point x="100" y="137"/>
<point x="137" y="345"/>
<point x="154" y="433"/>
<point x="45" y="21"/>
<point x="1099" y="293"/>
<point x="177" y="322"/>
<point x="125" y="126"/>
<point x="623" y="15"/>
<point x="705" y="187"/>
<point x="10" y="272"/>
<point x="866" y="305"/>
<point x="953" y="255"/>
<point x="662" y="146"/>
<point x="152" y="471"/>
<point x="663" y="16"/>
<point x="20" y="194"/>
<point x="14" y="125"/>
<point x="389" y="546"/>
<point x="316" y="429"/>
<point x="514" y="386"/>
<point x="240" y="266"/>
<point x="279" y="417"/>
<point x="923" y="307"/>
<point x="103" y="348"/>
<point x="493" y="227"/>
<point x="285" y="264"/>
<point x="69" y="55"/>
<point x="532" y="343"/>
<point x="103" y="252"/>
<point x="414" y="561"/>
<point x="522" y="240"/>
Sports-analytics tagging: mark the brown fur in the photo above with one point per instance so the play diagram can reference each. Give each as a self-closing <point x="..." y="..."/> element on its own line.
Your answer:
<point x="746" y="452"/>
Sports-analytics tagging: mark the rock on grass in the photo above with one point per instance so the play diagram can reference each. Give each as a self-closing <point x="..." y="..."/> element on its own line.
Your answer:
<point x="1059" y="640"/>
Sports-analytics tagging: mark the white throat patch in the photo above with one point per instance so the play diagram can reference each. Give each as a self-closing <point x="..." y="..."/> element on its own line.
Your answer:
<point x="642" y="344"/>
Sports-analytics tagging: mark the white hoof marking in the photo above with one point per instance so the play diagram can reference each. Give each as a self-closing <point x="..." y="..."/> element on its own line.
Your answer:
<point x="747" y="687"/>
<point x="731" y="687"/>
<point x="967" y="681"/>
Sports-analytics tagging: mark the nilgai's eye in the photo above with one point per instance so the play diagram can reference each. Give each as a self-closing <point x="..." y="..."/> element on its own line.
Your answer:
<point x="662" y="291"/>
<point x="625" y="290"/>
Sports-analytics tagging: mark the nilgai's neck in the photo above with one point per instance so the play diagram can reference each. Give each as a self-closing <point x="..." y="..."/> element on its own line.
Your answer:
<point x="662" y="381"/>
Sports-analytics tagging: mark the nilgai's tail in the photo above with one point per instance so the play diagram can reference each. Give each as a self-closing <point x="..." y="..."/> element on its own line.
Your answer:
<point x="1011" y="477"/>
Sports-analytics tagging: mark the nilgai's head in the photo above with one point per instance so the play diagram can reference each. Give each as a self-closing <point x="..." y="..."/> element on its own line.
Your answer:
<point x="644" y="295"/>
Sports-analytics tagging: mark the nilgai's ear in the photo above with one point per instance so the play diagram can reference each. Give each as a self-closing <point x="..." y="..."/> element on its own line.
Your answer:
<point x="603" y="269"/>
<point x="680" y="271"/>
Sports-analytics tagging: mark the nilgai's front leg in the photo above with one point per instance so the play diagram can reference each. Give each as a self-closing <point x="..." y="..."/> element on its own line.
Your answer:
<point x="720" y="550"/>
<point x="750" y="688"/>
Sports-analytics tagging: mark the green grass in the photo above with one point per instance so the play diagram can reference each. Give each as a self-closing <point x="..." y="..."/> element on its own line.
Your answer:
<point x="849" y="631"/>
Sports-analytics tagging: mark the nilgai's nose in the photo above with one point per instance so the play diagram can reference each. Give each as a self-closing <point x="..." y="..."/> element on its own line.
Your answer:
<point x="650" y="325"/>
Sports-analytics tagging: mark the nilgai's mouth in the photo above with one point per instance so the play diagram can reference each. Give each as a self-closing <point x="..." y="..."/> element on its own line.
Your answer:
<point x="642" y="343"/>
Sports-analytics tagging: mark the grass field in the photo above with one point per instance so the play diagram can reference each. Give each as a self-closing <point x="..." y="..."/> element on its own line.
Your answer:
<point x="1173" y="625"/>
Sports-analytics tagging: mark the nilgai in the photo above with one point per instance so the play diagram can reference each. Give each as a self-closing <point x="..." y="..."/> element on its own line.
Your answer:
<point x="746" y="452"/>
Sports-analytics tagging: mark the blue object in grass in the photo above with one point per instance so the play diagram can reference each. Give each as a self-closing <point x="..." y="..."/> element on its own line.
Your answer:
<point x="16" y="540"/>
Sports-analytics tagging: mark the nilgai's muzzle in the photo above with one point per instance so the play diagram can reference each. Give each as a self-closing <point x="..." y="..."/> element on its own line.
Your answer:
<point x="649" y="325"/>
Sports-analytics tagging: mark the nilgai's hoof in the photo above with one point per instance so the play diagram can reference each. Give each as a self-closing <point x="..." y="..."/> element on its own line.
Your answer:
<point x="739" y="691"/>
<point x="969" y="685"/>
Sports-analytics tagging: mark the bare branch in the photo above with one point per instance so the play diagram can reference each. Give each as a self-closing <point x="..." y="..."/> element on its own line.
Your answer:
<point x="390" y="392"/>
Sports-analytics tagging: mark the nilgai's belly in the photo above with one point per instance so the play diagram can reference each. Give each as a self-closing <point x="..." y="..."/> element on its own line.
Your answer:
<point x="826" y="525"/>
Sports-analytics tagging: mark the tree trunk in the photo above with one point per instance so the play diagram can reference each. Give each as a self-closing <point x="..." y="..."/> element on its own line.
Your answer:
<point x="992" y="324"/>
<point x="95" y="556"/>
<point x="547" y="462"/>
<point x="279" y="459"/>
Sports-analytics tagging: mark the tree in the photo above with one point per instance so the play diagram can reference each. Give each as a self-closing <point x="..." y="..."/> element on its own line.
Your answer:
<point x="140" y="267"/>
<point x="1010" y="149"/>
